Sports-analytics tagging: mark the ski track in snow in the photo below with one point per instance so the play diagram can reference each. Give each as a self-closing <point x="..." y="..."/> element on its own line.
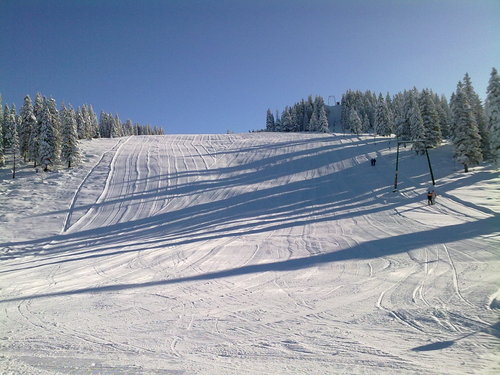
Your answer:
<point x="255" y="254"/>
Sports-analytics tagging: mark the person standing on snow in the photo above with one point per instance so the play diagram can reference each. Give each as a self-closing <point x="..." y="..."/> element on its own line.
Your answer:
<point x="433" y="196"/>
<point x="430" y="196"/>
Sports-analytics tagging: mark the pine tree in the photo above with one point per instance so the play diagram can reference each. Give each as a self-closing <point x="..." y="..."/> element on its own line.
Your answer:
<point x="56" y="124"/>
<point x="355" y="123"/>
<point x="34" y="147"/>
<point x="87" y="125"/>
<point x="6" y="124"/>
<point x="445" y="116"/>
<point x="70" y="151"/>
<point x="430" y="118"/>
<point x="302" y="119"/>
<point x="365" y="127"/>
<point x="2" y="158"/>
<point x="401" y="127"/>
<point x="479" y="115"/>
<point x="14" y="146"/>
<point x="493" y="114"/>
<point x="404" y="129"/>
<point x="46" y="151"/>
<point x="116" y="127"/>
<point x="417" y="131"/>
<point x="128" y="128"/>
<point x="466" y="136"/>
<point x="269" y="121"/>
<point x="313" y="121"/>
<point x="319" y="120"/>
<point x="94" y="124"/>
<point x="80" y="123"/>
<point x="296" y="117"/>
<point x="286" y="120"/>
<point x="27" y="126"/>
<point x="383" y="125"/>
<point x="322" y="120"/>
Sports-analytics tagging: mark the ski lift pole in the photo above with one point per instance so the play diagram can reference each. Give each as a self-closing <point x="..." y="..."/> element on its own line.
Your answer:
<point x="430" y="167"/>
<point x="397" y="170"/>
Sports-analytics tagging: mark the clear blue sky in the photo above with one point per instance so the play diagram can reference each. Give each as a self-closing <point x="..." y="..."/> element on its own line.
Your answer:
<point x="206" y="66"/>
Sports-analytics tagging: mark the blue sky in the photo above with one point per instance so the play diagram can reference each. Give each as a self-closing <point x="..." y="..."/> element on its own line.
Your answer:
<point x="208" y="66"/>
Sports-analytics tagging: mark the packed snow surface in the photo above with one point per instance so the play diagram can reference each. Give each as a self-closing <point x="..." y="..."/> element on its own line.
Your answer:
<point x="249" y="254"/>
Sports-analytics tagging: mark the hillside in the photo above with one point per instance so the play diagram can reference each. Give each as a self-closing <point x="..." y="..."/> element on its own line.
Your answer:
<point x="249" y="254"/>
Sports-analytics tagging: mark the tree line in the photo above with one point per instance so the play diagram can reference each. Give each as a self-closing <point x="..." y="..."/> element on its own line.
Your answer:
<point x="47" y="136"/>
<point x="423" y="117"/>
<point x="305" y="116"/>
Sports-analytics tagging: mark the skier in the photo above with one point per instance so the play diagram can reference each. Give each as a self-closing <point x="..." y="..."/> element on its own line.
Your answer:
<point x="433" y="196"/>
<point x="430" y="196"/>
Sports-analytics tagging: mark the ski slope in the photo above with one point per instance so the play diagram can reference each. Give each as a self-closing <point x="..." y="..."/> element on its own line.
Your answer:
<point x="251" y="254"/>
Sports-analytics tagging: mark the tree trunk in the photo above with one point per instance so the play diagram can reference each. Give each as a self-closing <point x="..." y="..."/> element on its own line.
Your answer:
<point x="14" y="167"/>
<point x="466" y="168"/>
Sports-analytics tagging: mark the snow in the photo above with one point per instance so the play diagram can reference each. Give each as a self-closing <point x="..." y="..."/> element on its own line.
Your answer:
<point x="263" y="253"/>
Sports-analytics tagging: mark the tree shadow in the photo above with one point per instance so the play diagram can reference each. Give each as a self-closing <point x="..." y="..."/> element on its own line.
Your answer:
<point x="367" y="250"/>
<point x="493" y="330"/>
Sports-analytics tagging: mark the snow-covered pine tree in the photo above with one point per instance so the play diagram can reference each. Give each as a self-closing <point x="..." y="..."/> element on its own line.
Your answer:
<point x="301" y="114"/>
<point x="355" y="124"/>
<point x="6" y="132"/>
<point x="313" y="121"/>
<point x="466" y="135"/>
<point x="269" y="121"/>
<point x="398" y="105"/>
<point x="116" y="129"/>
<point x="430" y="118"/>
<point x="365" y="127"/>
<point x="70" y="152"/>
<point x="277" y="122"/>
<point x="94" y="124"/>
<point x="128" y="128"/>
<point x="390" y="107"/>
<point x="2" y="158"/>
<point x="9" y="126"/>
<point x="88" y="122"/>
<point x="319" y="118"/>
<point x="14" y="145"/>
<point x="388" y="101"/>
<point x="296" y="117"/>
<point x="479" y="115"/>
<point x="46" y="150"/>
<point x="286" y="120"/>
<point x="304" y="125"/>
<point x="493" y="114"/>
<point x="103" y="125"/>
<point x="34" y="146"/>
<point x="56" y="124"/>
<point x="322" y="120"/>
<point x="444" y="115"/>
<point x="26" y="127"/>
<point x="80" y="123"/>
<point x="404" y="130"/>
<point x="383" y="124"/>
<point x="370" y="100"/>
<point x="417" y="131"/>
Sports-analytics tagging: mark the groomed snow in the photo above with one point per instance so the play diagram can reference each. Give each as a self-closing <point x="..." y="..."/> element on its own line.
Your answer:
<point x="249" y="254"/>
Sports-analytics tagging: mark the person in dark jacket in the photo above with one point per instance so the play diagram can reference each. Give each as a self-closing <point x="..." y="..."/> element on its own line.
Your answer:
<point x="430" y="196"/>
